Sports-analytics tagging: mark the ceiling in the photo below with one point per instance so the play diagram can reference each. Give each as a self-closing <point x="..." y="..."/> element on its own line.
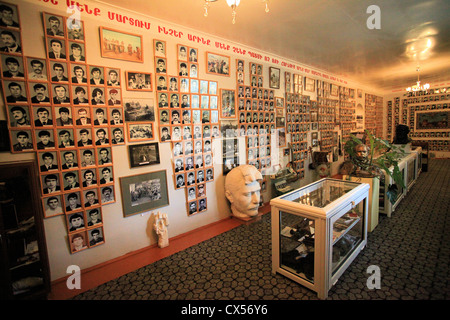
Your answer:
<point x="331" y="36"/>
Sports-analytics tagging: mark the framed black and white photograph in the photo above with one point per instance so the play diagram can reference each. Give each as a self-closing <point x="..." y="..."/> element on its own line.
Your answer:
<point x="159" y="48"/>
<point x="143" y="154"/>
<point x="138" y="81"/>
<point x="144" y="192"/>
<point x="274" y="78"/>
<point x="137" y="110"/>
<point x="10" y="15"/>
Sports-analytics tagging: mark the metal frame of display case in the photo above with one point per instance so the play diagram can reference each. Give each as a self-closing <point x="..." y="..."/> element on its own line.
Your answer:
<point x="323" y="221"/>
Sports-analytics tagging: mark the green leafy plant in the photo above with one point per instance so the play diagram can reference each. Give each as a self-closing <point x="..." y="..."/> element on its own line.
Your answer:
<point x="388" y="158"/>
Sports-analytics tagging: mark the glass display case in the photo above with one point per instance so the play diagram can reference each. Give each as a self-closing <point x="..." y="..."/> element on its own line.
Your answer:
<point x="386" y="184"/>
<point x="318" y="230"/>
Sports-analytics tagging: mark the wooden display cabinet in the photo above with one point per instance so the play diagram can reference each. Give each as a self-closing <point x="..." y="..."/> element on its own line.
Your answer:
<point x="24" y="262"/>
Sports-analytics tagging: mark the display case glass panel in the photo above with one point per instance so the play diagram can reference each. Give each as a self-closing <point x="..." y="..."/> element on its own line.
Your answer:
<point x="297" y="245"/>
<point x="348" y="233"/>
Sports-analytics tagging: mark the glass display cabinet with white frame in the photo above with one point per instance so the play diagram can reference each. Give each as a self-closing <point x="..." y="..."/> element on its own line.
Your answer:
<point x="318" y="230"/>
<point x="386" y="184"/>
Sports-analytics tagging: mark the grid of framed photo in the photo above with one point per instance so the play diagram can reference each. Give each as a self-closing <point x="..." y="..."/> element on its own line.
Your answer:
<point x="188" y="118"/>
<point x="256" y="118"/>
<point x="298" y="121"/>
<point x="70" y="114"/>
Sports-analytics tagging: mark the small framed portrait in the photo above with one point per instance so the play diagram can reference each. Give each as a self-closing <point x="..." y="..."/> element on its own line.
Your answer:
<point x="100" y="115"/>
<point x="84" y="137"/>
<point x="194" y="86"/>
<point x="143" y="154"/>
<point x="15" y="91"/>
<point x="60" y="93"/>
<point x="97" y="95"/>
<point x="95" y="237"/>
<point x="213" y="102"/>
<point x="52" y="206"/>
<point x="191" y="192"/>
<point x="56" y="49"/>
<point x="113" y="97"/>
<point x="274" y="78"/>
<point x="193" y="70"/>
<point x="50" y="183"/>
<point x="69" y="159"/>
<point x="131" y="51"/>
<point x="113" y="77"/>
<point x="217" y="64"/>
<point x="87" y="157"/>
<point x="39" y="92"/>
<point x="184" y="85"/>
<point x="107" y="194"/>
<point x="78" y="74"/>
<point x="183" y="69"/>
<point x="182" y="52"/>
<point x="96" y="75"/>
<point x="135" y="201"/>
<point x="138" y="110"/>
<point x="161" y="83"/>
<point x="11" y="41"/>
<point x="140" y="131"/>
<point x="160" y="65"/>
<point x="159" y="48"/>
<point x="19" y="116"/>
<point x="193" y="55"/>
<point x="138" y="81"/>
<point x="75" y="29"/>
<point x="76" y="52"/>
<point x="209" y="174"/>
<point x="117" y="135"/>
<point x="36" y="69"/>
<point x="192" y="207"/>
<point x="94" y="217"/>
<point x="10" y="15"/>
<point x="91" y="198"/>
<point x="48" y="161"/>
<point x="228" y="103"/>
<point x="45" y="139"/>
<point x="310" y="85"/>
<point x="173" y="84"/>
<point x="71" y="180"/>
<point x="101" y="137"/>
<point x="43" y="116"/>
<point x="202" y="205"/>
<point x="200" y="176"/>
<point x="78" y="241"/>
<point x="13" y="67"/>
<point x="54" y="25"/>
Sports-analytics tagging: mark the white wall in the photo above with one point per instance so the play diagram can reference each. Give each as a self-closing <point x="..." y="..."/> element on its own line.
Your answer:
<point x="124" y="235"/>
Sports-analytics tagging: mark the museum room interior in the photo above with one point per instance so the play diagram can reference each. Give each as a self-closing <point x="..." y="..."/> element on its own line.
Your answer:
<point x="225" y="150"/>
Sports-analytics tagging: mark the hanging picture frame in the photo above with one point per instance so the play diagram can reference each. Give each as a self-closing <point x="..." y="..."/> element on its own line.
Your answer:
<point x="274" y="78"/>
<point x="111" y="45"/>
<point x="145" y="154"/>
<point x="144" y="192"/>
<point x="217" y="64"/>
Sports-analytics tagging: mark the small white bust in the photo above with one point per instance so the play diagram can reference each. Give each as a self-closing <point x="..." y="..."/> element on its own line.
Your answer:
<point x="242" y="189"/>
<point x="160" y="226"/>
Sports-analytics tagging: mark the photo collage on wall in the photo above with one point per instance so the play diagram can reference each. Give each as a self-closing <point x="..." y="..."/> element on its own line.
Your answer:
<point x="70" y="114"/>
<point x="426" y="114"/>
<point x="188" y="115"/>
<point x="256" y="117"/>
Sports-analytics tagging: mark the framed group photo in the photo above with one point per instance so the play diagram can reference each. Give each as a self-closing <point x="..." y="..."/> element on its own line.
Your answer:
<point x="144" y="154"/>
<point x="274" y="78"/>
<point x="121" y="45"/>
<point x="144" y="192"/>
<point x="227" y="103"/>
<point x="217" y="64"/>
<point x="138" y="81"/>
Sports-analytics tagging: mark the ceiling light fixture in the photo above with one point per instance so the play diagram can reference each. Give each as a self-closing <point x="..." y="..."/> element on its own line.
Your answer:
<point x="418" y="87"/>
<point x="233" y="4"/>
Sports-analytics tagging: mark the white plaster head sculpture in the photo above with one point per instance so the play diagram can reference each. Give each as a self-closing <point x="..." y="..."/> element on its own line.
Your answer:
<point x="242" y="189"/>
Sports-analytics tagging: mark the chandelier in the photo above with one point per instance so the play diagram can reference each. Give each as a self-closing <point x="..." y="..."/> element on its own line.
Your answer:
<point x="233" y="4"/>
<point x="417" y="86"/>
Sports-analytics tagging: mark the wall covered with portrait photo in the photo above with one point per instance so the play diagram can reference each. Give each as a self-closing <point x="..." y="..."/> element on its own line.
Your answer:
<point x="156" y="69"/>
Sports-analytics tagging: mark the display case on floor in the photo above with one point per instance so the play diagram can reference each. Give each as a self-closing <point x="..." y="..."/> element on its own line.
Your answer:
<point x="387" y="183"/>
<point x="318" y="230"/>
<point x="425" y="154"/>
<point x="418" y="150"/>
<point x="24" y="263"/>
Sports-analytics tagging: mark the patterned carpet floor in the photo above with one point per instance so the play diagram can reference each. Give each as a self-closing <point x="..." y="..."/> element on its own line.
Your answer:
<point x="412" y="250"/>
